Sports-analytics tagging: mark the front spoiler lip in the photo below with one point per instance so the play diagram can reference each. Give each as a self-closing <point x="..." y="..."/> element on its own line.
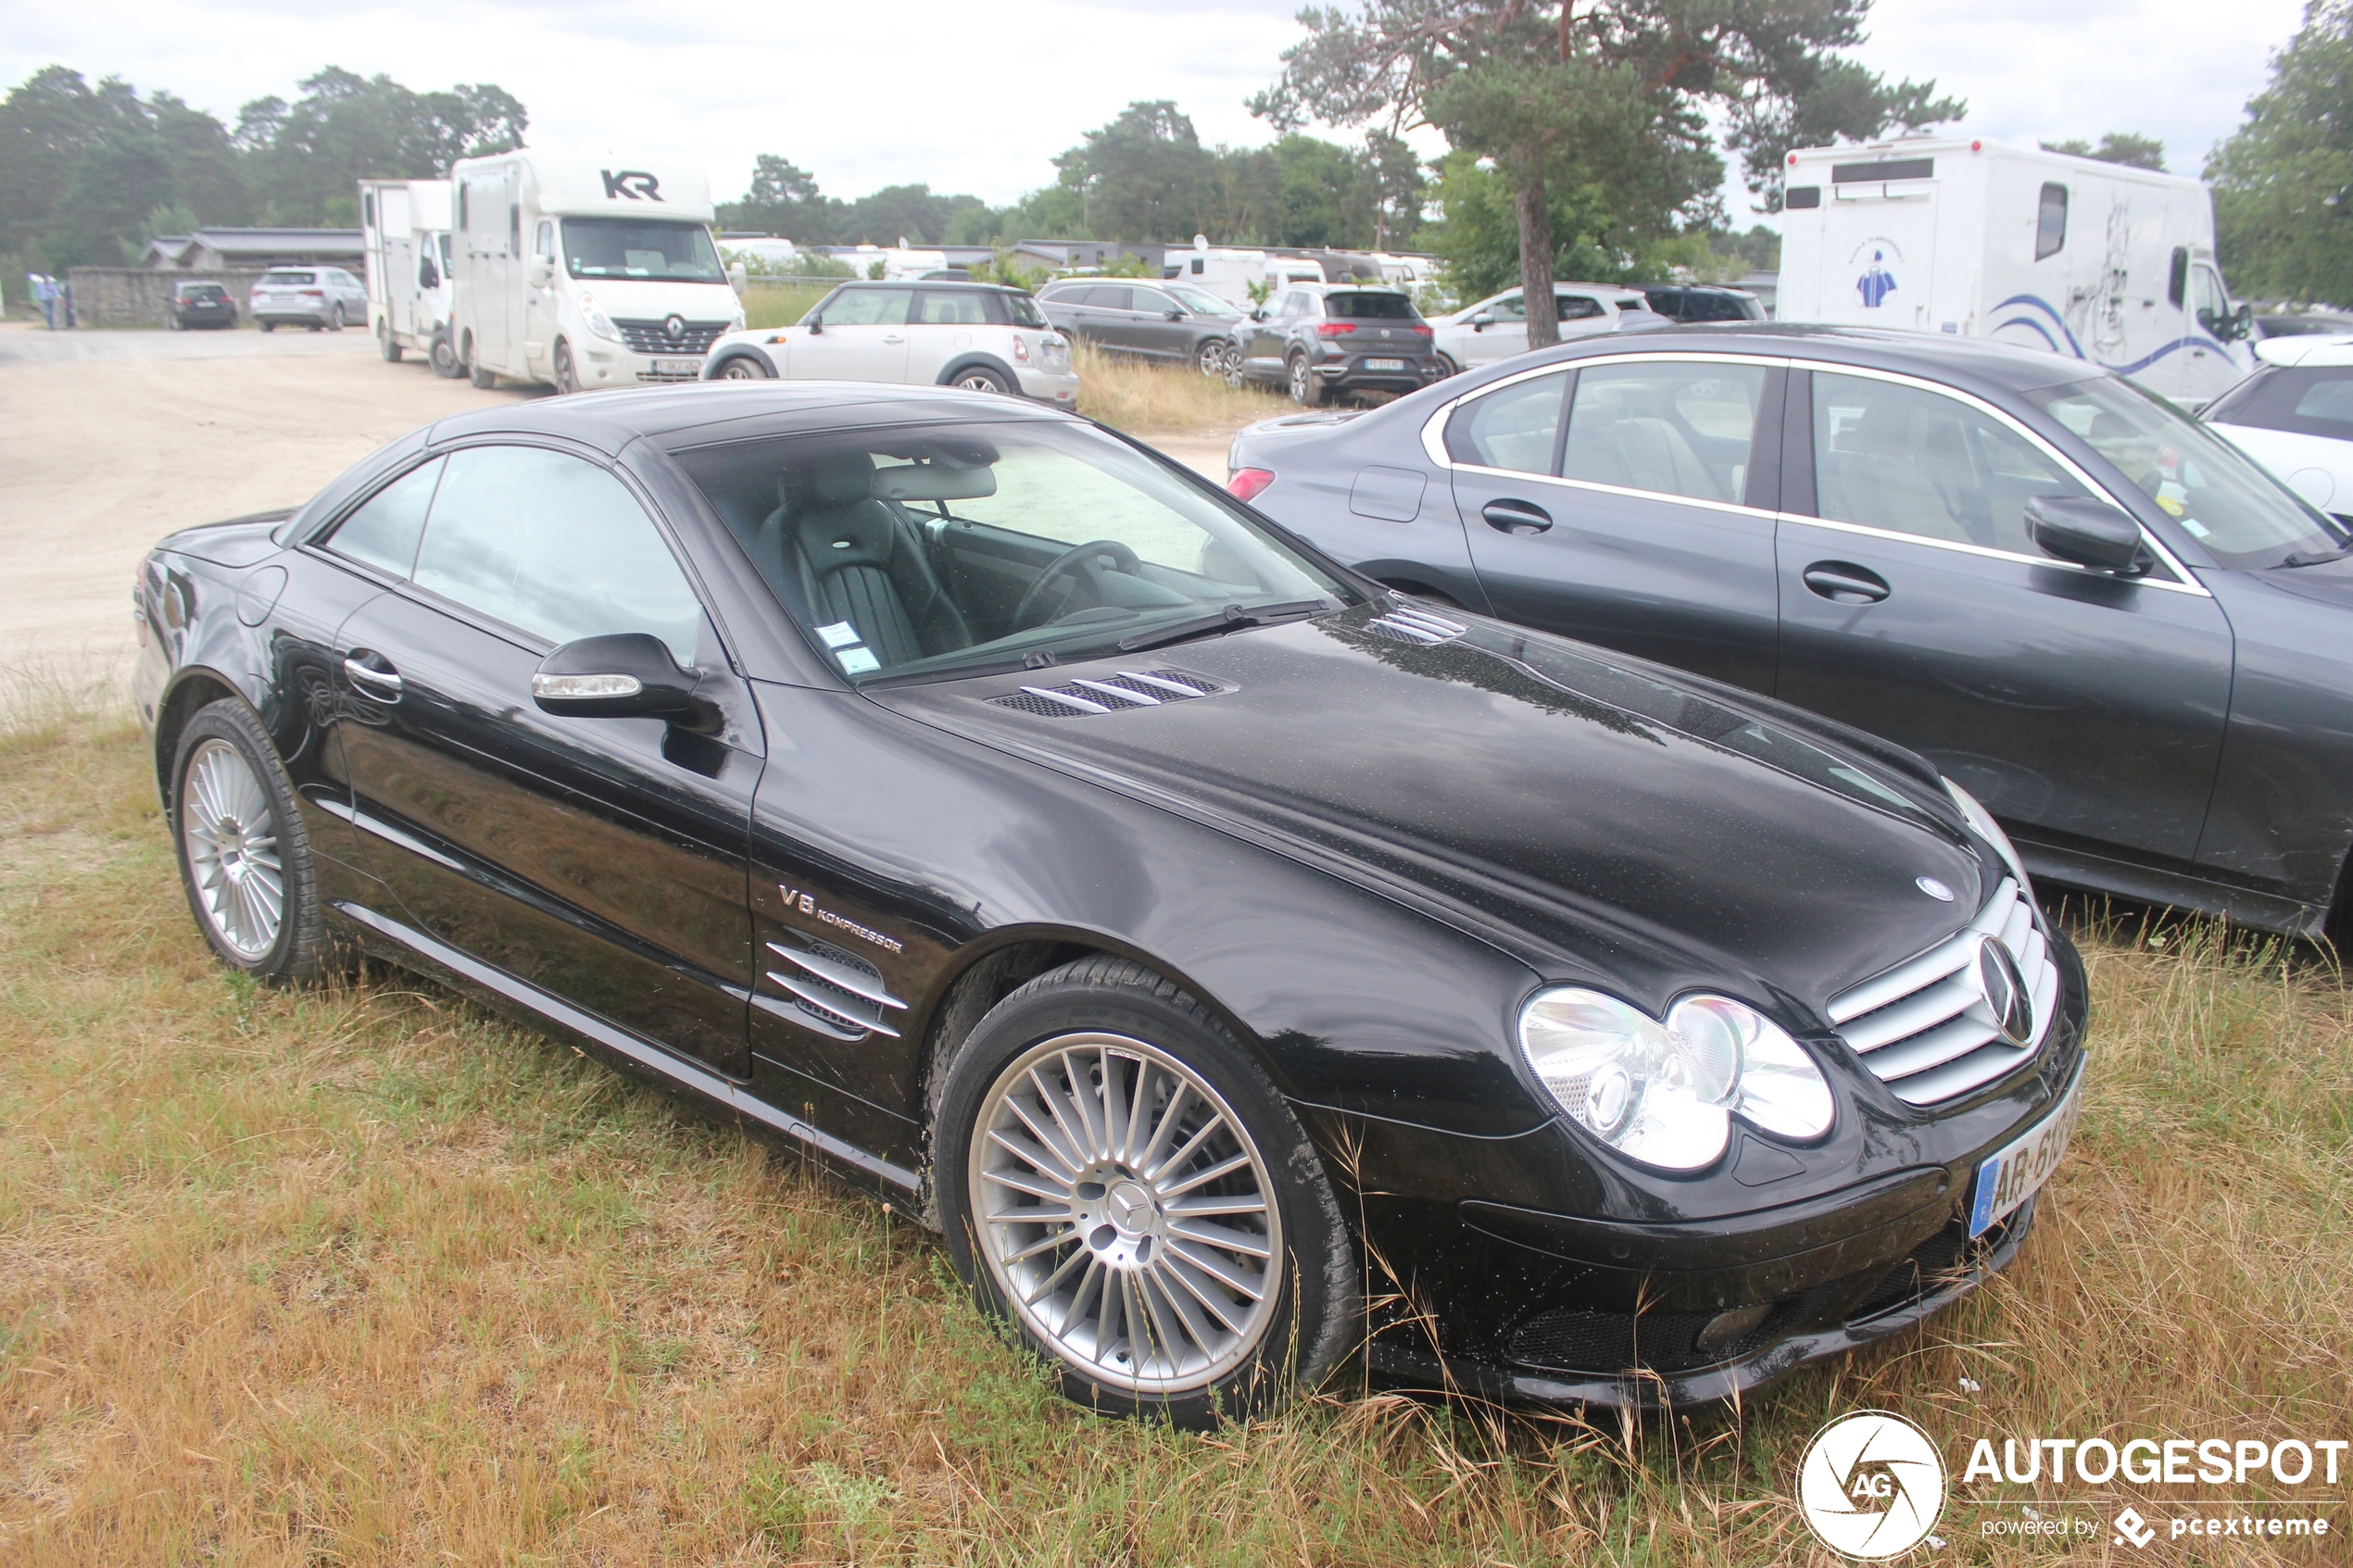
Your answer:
<point x="1412" y="1372"/>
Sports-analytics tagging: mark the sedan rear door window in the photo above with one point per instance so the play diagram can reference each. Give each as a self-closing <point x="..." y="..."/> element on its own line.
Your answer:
<point x="1517" y="429"/>
<point x="1671" y="427"/>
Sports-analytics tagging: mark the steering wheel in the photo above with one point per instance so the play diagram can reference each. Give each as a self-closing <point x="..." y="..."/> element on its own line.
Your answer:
<point x="1078" y="557"/>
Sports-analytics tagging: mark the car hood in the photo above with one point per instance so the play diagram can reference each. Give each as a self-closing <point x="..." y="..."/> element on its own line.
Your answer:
<point x="644" y="299"/>
<point x="1590" y="814"/>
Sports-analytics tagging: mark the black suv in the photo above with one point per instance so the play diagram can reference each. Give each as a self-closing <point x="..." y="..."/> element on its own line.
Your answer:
<point x="1173" y="323"/>
<point x="1702" y="302"/>
<point x="196" y="304"/>
<point x="1318" y="339"/>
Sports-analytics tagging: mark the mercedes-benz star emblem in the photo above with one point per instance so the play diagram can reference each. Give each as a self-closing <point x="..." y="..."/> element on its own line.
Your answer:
<point x="675" y="326"/>
<point x="1934" y="888"/>
<point x="2005" y="995"/>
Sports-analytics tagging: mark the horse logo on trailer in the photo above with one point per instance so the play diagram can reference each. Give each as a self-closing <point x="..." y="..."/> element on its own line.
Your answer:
<point x="1876" y="281"/>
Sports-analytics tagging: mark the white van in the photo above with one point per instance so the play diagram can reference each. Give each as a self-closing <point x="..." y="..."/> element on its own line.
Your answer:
<point x="2094" y="260"/>
<point x="586" y="272"/>
<point x="406" y="226"/>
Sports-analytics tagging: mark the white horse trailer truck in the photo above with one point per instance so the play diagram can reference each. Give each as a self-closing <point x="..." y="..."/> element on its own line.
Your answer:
<point x="2098" y="261"/>
<point x="586" y="272"/>
<point x="406" y="226"/>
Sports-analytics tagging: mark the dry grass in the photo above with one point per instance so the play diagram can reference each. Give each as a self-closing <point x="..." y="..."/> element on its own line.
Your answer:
<point x="369" y="1277"/>
<point x="1148" y="400"/>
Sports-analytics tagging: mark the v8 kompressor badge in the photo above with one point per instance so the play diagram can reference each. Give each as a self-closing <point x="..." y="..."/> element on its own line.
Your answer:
<point x="795" y="899"/>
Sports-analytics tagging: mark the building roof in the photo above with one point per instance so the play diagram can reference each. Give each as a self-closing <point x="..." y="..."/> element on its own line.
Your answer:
<point x="254" y="246"/>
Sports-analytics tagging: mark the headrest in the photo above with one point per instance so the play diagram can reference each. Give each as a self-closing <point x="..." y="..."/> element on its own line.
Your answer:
<point x="840" y="536"/>
<point x="934" y="482"/>
<point x="838" y="478"/>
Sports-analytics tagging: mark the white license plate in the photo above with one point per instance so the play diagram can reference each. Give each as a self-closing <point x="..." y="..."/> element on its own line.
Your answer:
<point x="2008" y="1178"/>
<point x="677" y="367"/>
<point x="1384" y="364"/>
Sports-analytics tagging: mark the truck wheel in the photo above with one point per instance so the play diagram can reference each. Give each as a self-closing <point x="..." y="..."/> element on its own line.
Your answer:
<point x="384" y="342"/>
<point x="567" y="375"/>
<point x="482" y="379"/>
<point x="1123" y="1188"/>
<point x="1306" y="387"/>
<point x="443" y="358"/>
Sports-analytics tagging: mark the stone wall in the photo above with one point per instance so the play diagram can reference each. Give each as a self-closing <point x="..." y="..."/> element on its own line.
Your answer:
<point x="141" y="296"/>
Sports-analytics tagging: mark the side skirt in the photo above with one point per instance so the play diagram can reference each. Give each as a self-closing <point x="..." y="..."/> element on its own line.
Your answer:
<point x="672" y="1071"/>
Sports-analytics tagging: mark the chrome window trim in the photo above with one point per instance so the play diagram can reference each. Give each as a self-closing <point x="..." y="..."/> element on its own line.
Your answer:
<point x="1434" y="448"/>
<point x="2185" y="583"/>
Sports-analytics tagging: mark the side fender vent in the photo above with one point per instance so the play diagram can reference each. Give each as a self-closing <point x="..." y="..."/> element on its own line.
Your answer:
<point x="1083" y="698"/>
<point x="1409" y="623"/>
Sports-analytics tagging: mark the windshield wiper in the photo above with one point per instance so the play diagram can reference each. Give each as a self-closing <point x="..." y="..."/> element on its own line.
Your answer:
<point x="2300" y="559"/>
<point x="1231" y="619"/>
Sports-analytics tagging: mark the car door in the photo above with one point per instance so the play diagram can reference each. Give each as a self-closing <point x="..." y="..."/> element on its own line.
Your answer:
<point x="864" y="338"/>
<point x="602" y="861"/>
<point x="1582" y="315"/>
<point x="539" y="301"/>
<point x="1502" y="337"/>
<point x="2083" y="708"/>
<point x="1269" y="339"/>
<point x="1158" y="325"/>
<point x="1627" y="502"/>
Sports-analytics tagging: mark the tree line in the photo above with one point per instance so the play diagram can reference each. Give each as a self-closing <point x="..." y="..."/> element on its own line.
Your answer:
<point x="89" y="174"/>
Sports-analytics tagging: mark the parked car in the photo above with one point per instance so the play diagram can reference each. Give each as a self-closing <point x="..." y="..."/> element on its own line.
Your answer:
<point x="1173" y="917"/>
<point x="196" y="303"/>
<point x="2111" y="627"/>
<point x="1173" y="322"/>
<point x="1702" y="302"/>
<point x="2294" y="415"/>
<point x="1497" y="328"/>
<point x="322" y="298"/>
<point x="2305" y="323"/>
<point x="1318" y="341"/>
<point x="983" y="337"/>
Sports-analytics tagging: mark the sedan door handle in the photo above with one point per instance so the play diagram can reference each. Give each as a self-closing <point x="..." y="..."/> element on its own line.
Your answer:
<point x="381" y="684"/>
<point x="1515" y="517"/>
<point x="895" y="338"/>
<point x="1845" y="582"/>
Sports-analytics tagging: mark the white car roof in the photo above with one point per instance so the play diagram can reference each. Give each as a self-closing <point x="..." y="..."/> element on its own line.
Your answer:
<point x="2317" y="348"/>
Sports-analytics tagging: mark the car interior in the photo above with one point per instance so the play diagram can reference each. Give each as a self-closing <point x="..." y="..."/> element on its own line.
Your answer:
<point x="1895" y="457"/>
<point x="1662" y="430"/>
<point x="938" y="550"/>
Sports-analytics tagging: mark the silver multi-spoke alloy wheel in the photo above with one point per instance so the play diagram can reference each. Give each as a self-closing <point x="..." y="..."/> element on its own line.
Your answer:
<point x="1125" y="1213"/>
<point x="230" y="835"/>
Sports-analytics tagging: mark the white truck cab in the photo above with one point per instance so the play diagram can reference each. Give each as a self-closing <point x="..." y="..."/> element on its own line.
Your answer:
<point x="586" y="272"/>
<point x="2098" y="261"/>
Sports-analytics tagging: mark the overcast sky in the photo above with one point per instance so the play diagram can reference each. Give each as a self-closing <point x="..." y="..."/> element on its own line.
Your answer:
<point x="977" y="98"/>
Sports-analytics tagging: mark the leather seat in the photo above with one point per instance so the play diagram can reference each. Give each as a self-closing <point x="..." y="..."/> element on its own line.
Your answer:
<point x="854" y="559"/>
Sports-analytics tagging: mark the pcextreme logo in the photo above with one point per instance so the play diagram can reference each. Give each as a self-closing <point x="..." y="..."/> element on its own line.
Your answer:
<point x="1871" y="1484"/>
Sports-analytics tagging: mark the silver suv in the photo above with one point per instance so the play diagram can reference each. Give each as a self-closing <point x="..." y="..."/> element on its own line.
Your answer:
<point x="321" y="298"/>
<point x="983" y="337"/>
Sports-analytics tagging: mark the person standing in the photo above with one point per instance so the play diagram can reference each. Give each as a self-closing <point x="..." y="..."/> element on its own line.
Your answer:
<point x="45" y="294"/>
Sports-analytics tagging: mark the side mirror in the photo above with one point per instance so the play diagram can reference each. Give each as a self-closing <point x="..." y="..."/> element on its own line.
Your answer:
<point x="815" y="324"/>
<point x="625" y="675"/>
<point x="2088" y="532"/>
<point x="539" y="273"/>
<point x="1259" y="314"/>
<point x="738" y="278"/>
<point x="428" y="276"/>
<point x="1483" y="320"/>
<point x="1176" y="315"/>
<point x="2242" y="324"/>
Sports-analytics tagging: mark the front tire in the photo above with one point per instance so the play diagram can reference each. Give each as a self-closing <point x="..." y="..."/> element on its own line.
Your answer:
<point x="743" y="366"/>
<point x="1126" y="1190"/>
<point x="1213" y="358"/>
<point x="443" y="358"/>
<point x="244" y="858"/>
<point x="1306" y="387"/>
<point x="567" y="374"/>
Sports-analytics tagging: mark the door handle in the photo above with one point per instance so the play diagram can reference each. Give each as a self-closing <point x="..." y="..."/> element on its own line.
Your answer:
<point x="383" y="685"/>
<point x="1845" y="582"/>
<point x="1515" y="517"/>
<point x="895" y="338"/>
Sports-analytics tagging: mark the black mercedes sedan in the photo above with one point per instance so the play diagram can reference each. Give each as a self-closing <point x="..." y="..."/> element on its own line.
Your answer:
<point x="2133" y="645"/>
<point x="1232" y="957"/>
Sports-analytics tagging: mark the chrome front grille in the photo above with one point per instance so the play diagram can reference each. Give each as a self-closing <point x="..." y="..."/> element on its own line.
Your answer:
<point x="1408" y="623"/>
<point x="1082" y="696"/>
<point x="653" y="337"/>
<point x="1927" y="1027"/>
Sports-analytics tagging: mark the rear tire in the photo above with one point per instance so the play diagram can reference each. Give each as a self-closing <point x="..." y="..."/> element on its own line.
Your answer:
<point x="980" y="378"/>
<point x="383" y="341"/>
<point x="335" y="318"/>
<point x="1146" y="1304"/>
<point x="484" y="379"/>
<point x="266" y="326"/>
<point x="1306" y="387"/>
<point x="244" y="858"/>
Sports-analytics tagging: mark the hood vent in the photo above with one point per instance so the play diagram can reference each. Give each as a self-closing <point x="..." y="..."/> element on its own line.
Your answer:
<point x="1408" y="623"/>
<point x="1082" y="697"/>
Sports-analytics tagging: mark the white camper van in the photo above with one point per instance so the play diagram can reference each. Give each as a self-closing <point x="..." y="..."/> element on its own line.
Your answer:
<point x="2094" y="260"/>
<point x="586" y="272"/>
<point x="406" y="226"/>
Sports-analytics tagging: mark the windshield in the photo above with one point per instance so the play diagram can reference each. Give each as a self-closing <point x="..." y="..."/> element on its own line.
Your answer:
<point x="1371" y="306"/>
<point x="1198" y="301"/>
<point x="2240" y="513"/>
<point x="1024" y="310"/>
<point x="638" y="247"/>
<point x="943" y="552"/>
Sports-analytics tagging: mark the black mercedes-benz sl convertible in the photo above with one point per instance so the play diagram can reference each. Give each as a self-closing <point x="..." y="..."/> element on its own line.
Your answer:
<point x="1208" y="941"/>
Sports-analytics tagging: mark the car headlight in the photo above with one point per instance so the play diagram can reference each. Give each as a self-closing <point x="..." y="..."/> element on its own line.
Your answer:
<point x="1991" y="831"/>
<point x="1665" y="1093"/>
<point x="735" y="323"/>
<point x="594" y="314"/>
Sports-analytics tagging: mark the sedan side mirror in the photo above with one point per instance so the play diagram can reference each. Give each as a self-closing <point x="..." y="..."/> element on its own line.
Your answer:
<point x="625" y="675"/>
<point x="2088" y="532"/>
<point x="1483" y="320"/>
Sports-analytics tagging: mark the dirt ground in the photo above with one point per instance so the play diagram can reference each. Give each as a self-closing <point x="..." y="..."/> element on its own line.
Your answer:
<point x="110" y="440"/>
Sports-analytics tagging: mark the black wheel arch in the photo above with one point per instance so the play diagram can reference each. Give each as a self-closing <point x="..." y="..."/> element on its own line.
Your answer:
<point x="741" y="351"/>
<point x="977" y="361"/>
<point x="190" y="691"/>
